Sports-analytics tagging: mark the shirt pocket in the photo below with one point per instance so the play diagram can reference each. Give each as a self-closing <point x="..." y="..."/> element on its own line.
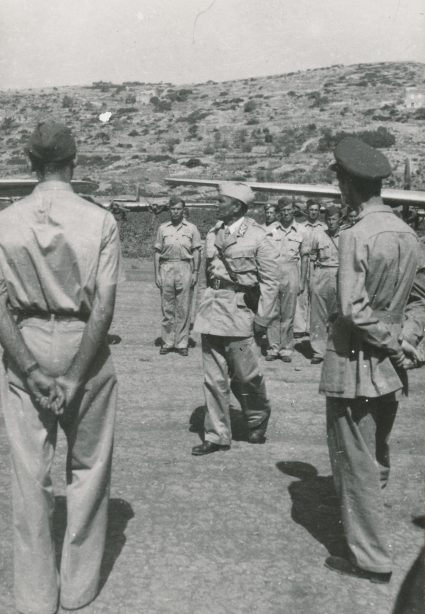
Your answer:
<point x="243" y="261"/>
<point x="294" y="246"/>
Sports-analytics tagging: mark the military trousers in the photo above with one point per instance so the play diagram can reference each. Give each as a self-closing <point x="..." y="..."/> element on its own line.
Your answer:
<point x="358" y="433"/>
<point x="231" y="364"/>
<point x="280" y="332"/>
<point x="303" y="308"/>
<point x="176" y="297"/>
<point x="323" y="305"/>
<point x="88" y="425"/>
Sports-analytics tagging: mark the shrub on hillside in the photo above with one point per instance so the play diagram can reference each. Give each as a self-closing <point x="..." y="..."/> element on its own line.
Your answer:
<point x="249" y="106"/>
<point x="381" y="137"/>
<point x="67" y="102"/>
<point x="160" y="158"/>
<point x="419" y="113"/>
<point x="193" y="162"/>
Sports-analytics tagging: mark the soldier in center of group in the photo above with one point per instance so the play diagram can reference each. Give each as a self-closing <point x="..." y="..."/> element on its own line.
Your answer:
<point x="324" y="253"/>
<point x="177" y="261"/>
<point x="291" y="242"/>
<point x="239" y="261"/>
<point x="302" y="311"/>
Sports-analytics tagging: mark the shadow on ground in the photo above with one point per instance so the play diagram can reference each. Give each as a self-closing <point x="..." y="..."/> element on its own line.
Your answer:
<point x="239" y="428"/>
<point x="304" y="348"/>
<point x="315" y="505"/>
<point x="119" y="514"/>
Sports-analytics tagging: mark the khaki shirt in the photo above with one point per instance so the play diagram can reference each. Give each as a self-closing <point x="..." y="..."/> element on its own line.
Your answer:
<point x="55" y="250"/>
<point x="378" y="261"/>
<point x="292" y="242"/>
<point x="177" y="242"/>
<point x="253" y="259"/>
<point x="414" y="323"/>
<point x="324" y="248"/>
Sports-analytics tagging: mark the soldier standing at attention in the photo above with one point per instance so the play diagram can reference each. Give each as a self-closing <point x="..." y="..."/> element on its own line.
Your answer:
<point x="177" y="261"/>
<point x="302" y="312"/>
<point x="239" y="261"/>
<point x="324" y="251"/>
<point x="363" y="373"/>
<point x="58" y="280"/>
<point x="290" y="240"/>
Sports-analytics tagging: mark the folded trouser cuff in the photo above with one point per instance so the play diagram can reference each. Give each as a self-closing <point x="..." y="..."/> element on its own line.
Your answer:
<point x="220" y="441"/>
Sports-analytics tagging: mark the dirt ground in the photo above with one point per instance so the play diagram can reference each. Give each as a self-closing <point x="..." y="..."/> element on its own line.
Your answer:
<point x="243" y="531"/>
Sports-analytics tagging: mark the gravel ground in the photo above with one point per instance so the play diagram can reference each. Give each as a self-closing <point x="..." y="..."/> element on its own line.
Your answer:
<point x="242" y="531"/>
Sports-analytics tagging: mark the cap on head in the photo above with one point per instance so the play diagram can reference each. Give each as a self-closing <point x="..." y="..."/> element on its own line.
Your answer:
<point x="51" y="141"/>
<point x="175" y="200"/>
<point x="269" y="206"/>
<point x="311" y="201"/>
<point x="239" y="191"/>
<point x="359" y="159"/>
<point x="333" y="210"/>
<point x="284" y="201"/>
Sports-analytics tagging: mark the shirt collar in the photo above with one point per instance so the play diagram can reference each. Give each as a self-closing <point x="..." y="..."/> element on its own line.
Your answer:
<point x="374" y="205"/>
<point x="182" y="223"/>
<point x="54" y="185"/>
<point x="234" y="228"/>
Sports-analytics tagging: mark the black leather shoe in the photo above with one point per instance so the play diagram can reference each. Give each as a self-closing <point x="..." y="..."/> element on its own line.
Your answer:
<point x="256" y="437"/>
<point x="316" y="360"/>
<point x="208" y="447"/>
<point x="182" y="351"/>
<point x="164" y="350"/>
<point x="345" y="568"/>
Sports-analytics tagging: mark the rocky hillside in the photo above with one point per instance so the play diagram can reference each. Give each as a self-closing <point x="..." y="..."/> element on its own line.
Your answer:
<point x="281" y="127"/>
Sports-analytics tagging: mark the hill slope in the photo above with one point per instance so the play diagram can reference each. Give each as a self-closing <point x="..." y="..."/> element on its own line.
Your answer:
<point x="281" y="127"/>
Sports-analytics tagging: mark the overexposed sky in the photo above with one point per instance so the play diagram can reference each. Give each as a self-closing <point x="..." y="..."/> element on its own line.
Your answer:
<point x="67" y="42"/>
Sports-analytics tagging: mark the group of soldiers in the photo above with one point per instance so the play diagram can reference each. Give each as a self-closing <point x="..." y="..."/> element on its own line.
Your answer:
<point x="58" y="281"/>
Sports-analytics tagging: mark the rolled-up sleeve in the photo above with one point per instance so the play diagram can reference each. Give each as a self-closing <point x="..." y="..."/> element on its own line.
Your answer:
<point x="354" y="302"/>
<point x="109" y="268"/>
<point x="266" y="257"/>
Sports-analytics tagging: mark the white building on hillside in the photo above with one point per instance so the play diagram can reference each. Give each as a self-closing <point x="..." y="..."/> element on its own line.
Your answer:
<point x="414" y="99"/>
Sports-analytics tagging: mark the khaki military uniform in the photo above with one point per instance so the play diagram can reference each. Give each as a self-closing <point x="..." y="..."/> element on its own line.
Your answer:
<point x="302" y="311"/>
<point x="226" y="325"/>
<point x="51" y="267"/>
<point x="378" y="257"/>
<point x="324" y="252"/>
<point x="176" y="245"/>
<point x="291" y="244"/>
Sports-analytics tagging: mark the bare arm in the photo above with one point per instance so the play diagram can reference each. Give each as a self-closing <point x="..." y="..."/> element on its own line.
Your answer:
<point x="304" y="270"/>
<point x="156" y="267"/>
<point x="196" y="266"/>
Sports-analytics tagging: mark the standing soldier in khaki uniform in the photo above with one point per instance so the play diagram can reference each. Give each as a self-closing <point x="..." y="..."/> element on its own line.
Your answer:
<point x="58" y="280"/>
<point x="239" y="261"/>
<point x="176" y="260"/>
<point x="324" y="252"/>
<point x="290" y="240"/>
<point x="362" y="373"/>
<point x="302" y="311"/>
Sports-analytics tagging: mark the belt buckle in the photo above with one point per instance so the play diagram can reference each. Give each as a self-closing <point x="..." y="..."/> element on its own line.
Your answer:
<point x="216" y="284"/>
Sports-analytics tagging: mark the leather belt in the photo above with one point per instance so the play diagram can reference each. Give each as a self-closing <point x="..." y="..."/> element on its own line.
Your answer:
<point x="49" y="317"/>
<point x="223" y="284"/>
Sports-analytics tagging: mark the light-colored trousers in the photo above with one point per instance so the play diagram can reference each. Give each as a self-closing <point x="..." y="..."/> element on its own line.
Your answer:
<point x="88" y="424"/>
<point x="323" y="305"/>
<point x="231" y="364"/>
<point x="358" y="439"/>
<point x="176" y="295"/>
<point x="302" y="310"/>
<point x="280" y="332"/>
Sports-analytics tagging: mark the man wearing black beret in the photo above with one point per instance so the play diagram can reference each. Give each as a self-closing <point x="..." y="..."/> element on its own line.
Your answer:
<point x="362" y="375"/>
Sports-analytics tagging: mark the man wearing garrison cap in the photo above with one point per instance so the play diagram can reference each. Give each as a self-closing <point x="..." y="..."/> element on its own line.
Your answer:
<point x="362" y="374"/>
<point x="238" y="302"/>
<point x="324" y="253"/>
<point x="58" y="279"/>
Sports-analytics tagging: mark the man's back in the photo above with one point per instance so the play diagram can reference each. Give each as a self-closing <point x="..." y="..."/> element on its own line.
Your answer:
<point x="55" y="248"/>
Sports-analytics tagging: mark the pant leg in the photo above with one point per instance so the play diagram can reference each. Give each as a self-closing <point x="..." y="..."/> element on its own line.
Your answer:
<point x="302" y="310"/>
<point x="273" y="330"/>
<point x="288" y="305"/>
<point x="249" y="384"/>
<point x="183" y="299"/>
<point x="353" y="426"/>
<point x="217" y="390"/>
<point x="89" y="428"/>
<point x="168" y="303"/>
<point x="323" y="304"/>
<point x="32" y="437"/>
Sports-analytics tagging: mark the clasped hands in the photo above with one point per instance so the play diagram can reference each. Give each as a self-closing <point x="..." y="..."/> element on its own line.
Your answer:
<point x="408" y="356"/>
<point x="50" y="393"/>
